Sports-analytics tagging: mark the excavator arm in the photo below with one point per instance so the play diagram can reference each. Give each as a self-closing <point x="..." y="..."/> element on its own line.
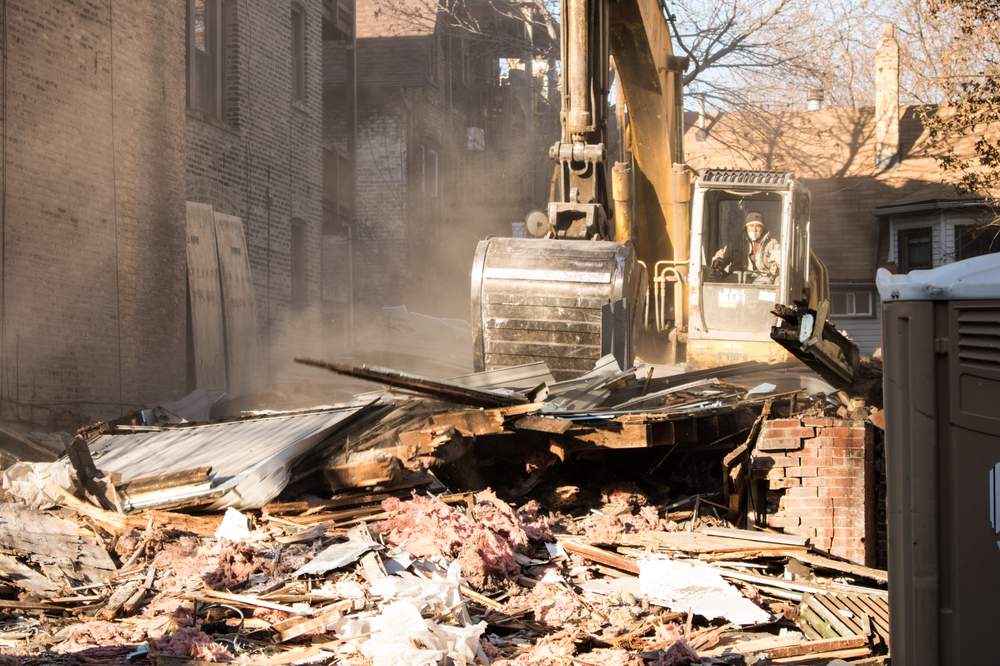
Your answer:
<point x="579" y="292"/>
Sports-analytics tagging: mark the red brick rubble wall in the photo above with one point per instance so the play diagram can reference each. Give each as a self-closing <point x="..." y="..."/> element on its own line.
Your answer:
<point x="814" y="477"/>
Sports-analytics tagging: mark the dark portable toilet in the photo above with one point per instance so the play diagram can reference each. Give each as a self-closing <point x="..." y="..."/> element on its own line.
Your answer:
<point x="941" y="351"/>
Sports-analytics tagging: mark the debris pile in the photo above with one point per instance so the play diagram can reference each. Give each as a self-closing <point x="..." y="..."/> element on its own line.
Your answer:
<point x="367" y="533"/>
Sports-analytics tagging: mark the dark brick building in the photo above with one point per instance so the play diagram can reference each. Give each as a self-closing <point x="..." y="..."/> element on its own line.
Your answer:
<point x="92" y="302"/>
<point x="114" y="116"/>
<point x="254" y="132"/>
<point x="452" y="140"/>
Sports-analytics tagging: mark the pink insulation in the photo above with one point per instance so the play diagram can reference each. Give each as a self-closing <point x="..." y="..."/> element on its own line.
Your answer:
<point x="483" y="543"/>
<point x="192" y="643"/>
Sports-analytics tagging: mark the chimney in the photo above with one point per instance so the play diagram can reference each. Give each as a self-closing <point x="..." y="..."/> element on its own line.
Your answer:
<point x="887" y="99"/>
<point x="702" y="121"/>
<point x="814" y="100"/>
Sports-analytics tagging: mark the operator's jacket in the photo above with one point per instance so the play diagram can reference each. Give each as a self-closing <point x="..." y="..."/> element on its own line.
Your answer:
<point x="762" y="258"/>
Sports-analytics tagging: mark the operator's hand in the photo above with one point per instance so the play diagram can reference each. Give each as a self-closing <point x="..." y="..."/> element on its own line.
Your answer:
<point x="718" y="265"/>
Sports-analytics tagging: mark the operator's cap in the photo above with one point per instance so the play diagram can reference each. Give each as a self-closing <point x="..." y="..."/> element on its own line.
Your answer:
<point x="753" y="218"/>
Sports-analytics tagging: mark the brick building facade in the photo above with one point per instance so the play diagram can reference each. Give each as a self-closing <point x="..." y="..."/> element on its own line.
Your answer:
<point x="254" y="150"/>
<point x="113" y="116"/>
<point x="91" y="224"/>
<point x="446" y="150"/>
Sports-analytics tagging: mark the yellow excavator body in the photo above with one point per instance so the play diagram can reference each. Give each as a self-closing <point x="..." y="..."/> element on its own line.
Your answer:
<point x="627" y="259"/>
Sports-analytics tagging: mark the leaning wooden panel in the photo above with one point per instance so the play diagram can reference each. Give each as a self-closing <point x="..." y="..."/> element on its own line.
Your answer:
<point x="205" y="294"/>
<point x="239" y="305"/>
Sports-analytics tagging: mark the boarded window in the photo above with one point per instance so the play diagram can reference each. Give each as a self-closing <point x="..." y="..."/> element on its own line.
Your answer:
<point x="298" y="53"/>
<point x="299" y="296"/>
<point x="915" y="249"/>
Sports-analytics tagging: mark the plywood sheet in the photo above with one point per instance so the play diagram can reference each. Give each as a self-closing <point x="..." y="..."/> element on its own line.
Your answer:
<point x="239" y="306"/>
<point x="205" y="292"/>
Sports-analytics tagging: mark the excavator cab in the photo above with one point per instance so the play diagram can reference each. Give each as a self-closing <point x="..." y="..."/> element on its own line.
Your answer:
<point x="734" y="283"/>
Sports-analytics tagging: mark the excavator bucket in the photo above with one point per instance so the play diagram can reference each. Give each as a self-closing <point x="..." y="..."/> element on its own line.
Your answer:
<point x="807" y="335"/>
<point x="567" y="303"/>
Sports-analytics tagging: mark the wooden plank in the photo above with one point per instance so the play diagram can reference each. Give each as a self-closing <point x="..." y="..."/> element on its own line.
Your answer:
<point x="754" y="535"/>
<point x="298" y="626"/>
<point x="205" y="294"/>
<point x="215" y="596"/>
<point x="471" y="422"/>
<point x="824" y="657"/>
<point x="702" y="543"/>
<point x="836" y="622"/>
<point x="879" y="615"/>
<point x="752" y="646"/>
<point x="239" y="306"/>
<point x="850" y="603"/>
<point x="148" y="484"/>
<point x="813" y="647"/>
<point x="845" y="614"/>
<point x="783" y="584"/>
<point x="617" y="434"/>
<point x="877" y="575"/>
<point x="809" y="631"/>
<point x="547" y="424"/>
<point x="600" y="555"/>
<point x="808" y="617"/>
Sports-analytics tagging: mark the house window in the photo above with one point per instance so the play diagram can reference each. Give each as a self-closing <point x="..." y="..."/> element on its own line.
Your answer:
<point x="298" y="260"/>
<point x="973" y="240"/>
<point x="429" y="184"/>
<point x="207" y="36"/>
<point x="848" y="302"/>
<point x="298" y="53"/>
<point x="915" y="249"/>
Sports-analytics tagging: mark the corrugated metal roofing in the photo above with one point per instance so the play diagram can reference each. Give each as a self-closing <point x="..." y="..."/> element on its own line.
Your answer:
<point x="250" y="459"/>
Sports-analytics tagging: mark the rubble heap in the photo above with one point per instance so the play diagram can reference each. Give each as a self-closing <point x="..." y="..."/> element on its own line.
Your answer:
<point x="173" y="542"/>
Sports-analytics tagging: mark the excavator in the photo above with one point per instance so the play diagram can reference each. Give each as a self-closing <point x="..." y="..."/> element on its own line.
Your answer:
<point x="626" y="260"/>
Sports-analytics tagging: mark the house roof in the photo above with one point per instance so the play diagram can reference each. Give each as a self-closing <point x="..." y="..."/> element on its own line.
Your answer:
<point x="930" y="200"/>
<point x="396" y="18"/>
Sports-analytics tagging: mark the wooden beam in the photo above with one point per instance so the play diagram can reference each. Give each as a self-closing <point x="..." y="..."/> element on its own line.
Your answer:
<point x="600" y="555"/>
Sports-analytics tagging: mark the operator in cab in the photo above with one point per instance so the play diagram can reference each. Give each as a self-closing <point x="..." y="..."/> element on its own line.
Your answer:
<point x="757" y="255"/>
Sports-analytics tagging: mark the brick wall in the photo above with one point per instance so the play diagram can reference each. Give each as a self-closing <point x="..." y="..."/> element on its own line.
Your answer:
<point x="93" y="288"/>
<point x="263" y="162"/>
<point x="380" y="240"/>
<point x="817" y="477"/>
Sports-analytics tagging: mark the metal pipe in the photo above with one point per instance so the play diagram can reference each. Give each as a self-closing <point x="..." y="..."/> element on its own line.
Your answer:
<point x="621" y="192"/>
<point x="680" y="238"/>
<point x="577" y="67"/>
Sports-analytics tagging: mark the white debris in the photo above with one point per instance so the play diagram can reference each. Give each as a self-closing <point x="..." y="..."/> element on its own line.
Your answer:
<point x="683" y="586"/>
<point x="400" y="636"/>
<point x="234" y="527"/>
<point x="359" y="541"/>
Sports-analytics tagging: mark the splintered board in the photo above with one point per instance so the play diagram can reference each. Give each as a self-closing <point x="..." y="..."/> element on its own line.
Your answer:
<point x="205" y="294"/>
<point x="238" y="305"/>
